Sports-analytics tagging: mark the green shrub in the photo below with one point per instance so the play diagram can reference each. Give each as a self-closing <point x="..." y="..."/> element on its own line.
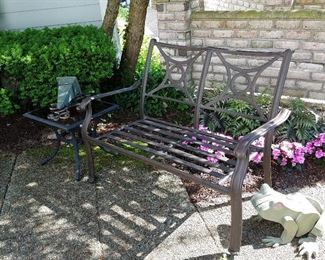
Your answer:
<point x="32" y="59"/>
<point x="238" y="125"/>
<point x="301" y="125"/>
<point x="235" y="125"/>
<point x="6" y="105"/>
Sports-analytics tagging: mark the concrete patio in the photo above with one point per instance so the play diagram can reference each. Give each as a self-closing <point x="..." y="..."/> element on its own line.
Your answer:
<point x="132" y="212"/>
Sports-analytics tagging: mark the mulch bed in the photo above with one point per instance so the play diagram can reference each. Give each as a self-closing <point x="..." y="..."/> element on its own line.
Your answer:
<point x="312" y="174"/>
<point x="18" y="134"/>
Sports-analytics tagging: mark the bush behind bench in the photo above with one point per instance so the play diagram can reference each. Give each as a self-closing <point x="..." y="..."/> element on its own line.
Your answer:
<point x="30" y="61"/>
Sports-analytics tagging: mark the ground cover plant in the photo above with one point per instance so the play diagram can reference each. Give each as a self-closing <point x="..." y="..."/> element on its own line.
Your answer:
<point x="301" y="136"/>
<point x="31" y="60"/>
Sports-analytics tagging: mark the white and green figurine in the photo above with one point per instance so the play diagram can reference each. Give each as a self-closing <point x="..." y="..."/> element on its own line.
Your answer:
<point x="298" y="214"/>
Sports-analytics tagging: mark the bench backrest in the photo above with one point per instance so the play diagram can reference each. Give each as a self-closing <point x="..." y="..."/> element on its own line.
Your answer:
<point x="207" y="77"/>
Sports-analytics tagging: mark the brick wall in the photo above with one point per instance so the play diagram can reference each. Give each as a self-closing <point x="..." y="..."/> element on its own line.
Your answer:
<point x="174" y="21"/>
<point x="306" y="77"/>
<point x="182" y="23"/>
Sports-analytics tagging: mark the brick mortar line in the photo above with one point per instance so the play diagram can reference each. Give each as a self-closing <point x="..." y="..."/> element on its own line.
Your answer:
<point x="8" y="184"/>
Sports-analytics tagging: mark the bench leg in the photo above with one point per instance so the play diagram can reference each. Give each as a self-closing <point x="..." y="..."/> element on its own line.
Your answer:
<point x="75" y="144"/>
<point x="267" y="159"/>
<point x="236" y="205"/>
<point x="90" y="162"/>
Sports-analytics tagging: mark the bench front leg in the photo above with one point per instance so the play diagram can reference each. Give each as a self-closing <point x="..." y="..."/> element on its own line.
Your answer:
<point x="236" y="204"/>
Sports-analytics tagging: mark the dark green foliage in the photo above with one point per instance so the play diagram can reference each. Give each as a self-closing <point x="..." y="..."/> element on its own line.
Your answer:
<point x="31" y="60"/>
<point x="236" y="125"/>
<point x="301" y="125"/>
<point x="6" y="106"/>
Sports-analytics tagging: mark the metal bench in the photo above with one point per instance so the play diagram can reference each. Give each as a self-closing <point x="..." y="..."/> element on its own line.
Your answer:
<point x="175" y="148"/>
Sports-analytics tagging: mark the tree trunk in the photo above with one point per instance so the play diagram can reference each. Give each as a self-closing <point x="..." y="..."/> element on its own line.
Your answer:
<point x="110" y="16"/>
<point x="133" y="40"/>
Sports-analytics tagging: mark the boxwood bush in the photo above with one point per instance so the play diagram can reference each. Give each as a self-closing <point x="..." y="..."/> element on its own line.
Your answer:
<point x="31" y="60"/>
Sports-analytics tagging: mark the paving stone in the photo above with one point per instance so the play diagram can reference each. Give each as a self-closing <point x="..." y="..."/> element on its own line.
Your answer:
<point x="52" y="244"/>
<point x="147" y="213"/>
<point x="42" y="198"/>
<point x="132" y="212"/>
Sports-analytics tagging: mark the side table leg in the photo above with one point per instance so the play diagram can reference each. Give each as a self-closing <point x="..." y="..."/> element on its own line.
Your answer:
<point x="75" y="144"/>
<point x="54" y="153"/>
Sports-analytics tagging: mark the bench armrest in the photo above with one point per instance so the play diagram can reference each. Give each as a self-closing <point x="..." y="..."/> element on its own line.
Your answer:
<point x="244" y="143"/>
<point x="88" y="100"/>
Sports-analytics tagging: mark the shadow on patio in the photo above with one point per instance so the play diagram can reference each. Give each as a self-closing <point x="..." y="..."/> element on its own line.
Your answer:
<point x="127" y="214"/>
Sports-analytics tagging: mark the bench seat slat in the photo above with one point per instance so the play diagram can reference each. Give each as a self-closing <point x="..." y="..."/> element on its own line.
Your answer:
<point x="182" y="138"/>
<point x="185" y="155"/>
<point x="184" y="147"/>
<point x="162" y="165"/>
<point x="201" y="135"/>
<point x="176" y="146"/>
<point x="161" y="154"/>
<point x="206" y="134"/>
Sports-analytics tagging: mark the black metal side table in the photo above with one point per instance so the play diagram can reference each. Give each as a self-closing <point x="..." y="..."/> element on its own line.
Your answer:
<point x="68" y="130"/>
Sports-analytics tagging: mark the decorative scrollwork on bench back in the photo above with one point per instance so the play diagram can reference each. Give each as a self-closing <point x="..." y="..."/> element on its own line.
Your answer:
<point x="207" y="78"/>
<point x="238" y="78"/>
<point x="177" y="63"/>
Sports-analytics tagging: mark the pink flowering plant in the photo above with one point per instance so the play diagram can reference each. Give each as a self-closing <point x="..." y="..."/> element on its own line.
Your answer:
<point x="289" y="154"/>
<point x="316" y="147"/>
<point x="286" y="154"/>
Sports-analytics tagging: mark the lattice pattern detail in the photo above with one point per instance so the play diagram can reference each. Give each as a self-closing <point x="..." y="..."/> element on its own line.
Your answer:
<point x="178" y="64"/>
<point x="246" y="90"/>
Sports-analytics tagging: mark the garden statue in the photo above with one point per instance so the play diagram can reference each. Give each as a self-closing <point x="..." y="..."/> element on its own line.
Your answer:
<point x="298" y="214"/>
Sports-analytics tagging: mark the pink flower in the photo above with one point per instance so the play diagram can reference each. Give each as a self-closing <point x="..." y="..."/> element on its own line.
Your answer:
<point x="220" y="155"/>
<point x="322" y="137"/>
<point x="259" y="142"/>
<point x="317" y="143"/>
<point x="212" y="159"/>
<point x="298" y="159"/>
<point x="205" y="149"/>
<point x="290" y="154"/>
<point x="276" y="153"/>
<point x="284" y="162"/>
<point x="287" y="148"/>
<point x="319" y="154"/>
<point x="203" y="128"/>
<point x="309" y="147"/>
<point x="256" y="157"/>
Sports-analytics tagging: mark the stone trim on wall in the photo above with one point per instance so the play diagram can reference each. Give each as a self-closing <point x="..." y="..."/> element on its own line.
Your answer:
<point x="232" y="5"/>
<point x="254" y="14"/>
<point x="309" y="4"/>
